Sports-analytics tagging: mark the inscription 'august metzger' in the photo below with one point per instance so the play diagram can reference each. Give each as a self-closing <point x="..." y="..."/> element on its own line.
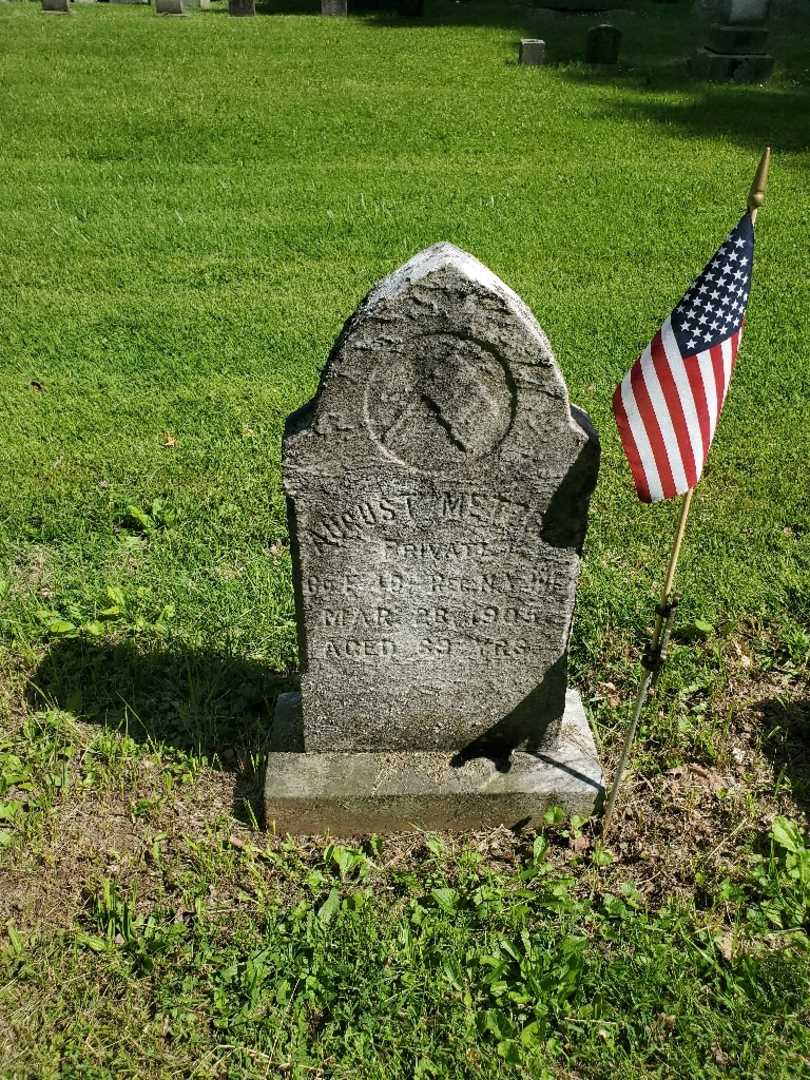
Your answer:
<point x="423" y="510"/>
<point x="438" y="487"/>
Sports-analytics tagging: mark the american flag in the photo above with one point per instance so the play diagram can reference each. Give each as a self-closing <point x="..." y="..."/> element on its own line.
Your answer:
<point x="668" y="404"/>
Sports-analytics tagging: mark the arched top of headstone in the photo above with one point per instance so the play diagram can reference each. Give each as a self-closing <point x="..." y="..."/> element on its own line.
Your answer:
<point x="446" y="257"/>
<point x="441" y="371"/>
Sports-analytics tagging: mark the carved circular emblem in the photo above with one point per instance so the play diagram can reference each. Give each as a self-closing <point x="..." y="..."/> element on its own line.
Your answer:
<point x="448" y="402"/>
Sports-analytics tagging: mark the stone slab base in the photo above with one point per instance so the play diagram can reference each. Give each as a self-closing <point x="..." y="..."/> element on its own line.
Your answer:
<point x="362" y="792"/>
<point x="737" y="40"/>
<point x="717" y="67"/>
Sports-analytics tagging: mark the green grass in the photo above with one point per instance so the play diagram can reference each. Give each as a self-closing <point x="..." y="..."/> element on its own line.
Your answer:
<point x="189" y="210"/>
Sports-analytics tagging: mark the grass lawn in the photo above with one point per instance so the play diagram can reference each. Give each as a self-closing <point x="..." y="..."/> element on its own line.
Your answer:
<point x="189" y="209"/>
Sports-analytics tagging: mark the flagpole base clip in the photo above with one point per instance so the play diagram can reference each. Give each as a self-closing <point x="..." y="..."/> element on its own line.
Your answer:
<point x="653" y="657"/>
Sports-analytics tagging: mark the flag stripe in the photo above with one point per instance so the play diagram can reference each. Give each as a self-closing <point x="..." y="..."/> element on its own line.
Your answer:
<point x="719" y="380"/>
<point x="630" y="446"/>
<point x="707" y="374"/>
<point x="677" y="418"/>
<point x="688" y="391"/>
<point x="662" y="429"/>
<point x="728" y="363"/>
<point x="649" y="468"/>
<point x="701" y="408"/>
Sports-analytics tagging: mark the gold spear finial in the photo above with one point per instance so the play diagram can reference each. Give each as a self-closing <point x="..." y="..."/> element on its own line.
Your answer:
<point x="756" y="196"/>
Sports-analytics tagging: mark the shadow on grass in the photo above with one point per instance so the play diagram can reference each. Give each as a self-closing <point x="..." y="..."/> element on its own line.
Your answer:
<point x="385" y="13"/>
<point x="750" y="116"/>
<point x="215" y="706"/>
<point x="786" y="743"/>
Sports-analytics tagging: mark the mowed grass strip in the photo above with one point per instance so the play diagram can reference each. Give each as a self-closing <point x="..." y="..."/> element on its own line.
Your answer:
<point x="189" y="209"/>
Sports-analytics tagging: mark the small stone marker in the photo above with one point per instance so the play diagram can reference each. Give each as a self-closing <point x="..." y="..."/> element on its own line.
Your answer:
<point x="602" y="44"/>
<point x="169" y="7"/>
<point x="334" y="7"/>
<point x="437" y="487"/>
<point x="56" y="7"/>
<point x="735" y="50"/>
<point x="242" y="7"/>
<point x="532" y="52"/>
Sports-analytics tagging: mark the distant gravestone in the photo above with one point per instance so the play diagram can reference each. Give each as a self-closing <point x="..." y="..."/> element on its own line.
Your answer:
<point x="745" y="12"/>
<point x="437" y="488"/>
<point x="241" y="8"/>
<point x="532" y="52"/>
<point x="169" y="7"/>
<point x="602" y="44"/>
<point x="56" y="7"/>
<point x="334" y="7"/>
<point x="735" y="49"/>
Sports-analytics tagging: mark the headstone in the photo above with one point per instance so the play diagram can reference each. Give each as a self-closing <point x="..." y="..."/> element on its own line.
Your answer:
<point x="745" y="12"/>
<point x="56" y="7"/>
<point x="241" y="7"/>
<point x="169" y="7"/>
<point x="437" y="488"/>
<point x="334" y="7"/>
<point x="532" y="52"/>
<point x="602" y="44"/>
<point x="736" y="47"/>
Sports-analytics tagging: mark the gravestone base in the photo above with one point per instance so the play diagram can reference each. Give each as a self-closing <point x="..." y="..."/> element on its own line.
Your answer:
<point x="739" y="68"/>
<point x="733" y="40"/>
<point x="389" y="791"/>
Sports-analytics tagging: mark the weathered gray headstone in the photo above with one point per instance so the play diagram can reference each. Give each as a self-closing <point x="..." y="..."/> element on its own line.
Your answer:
<point x="56" y="7"/>
<point x="334" y="7"/>
<point x="532" y="52"/>
<point x="602" y="44"/>
<point x="169" y="7"/>
<point x="735" y="49"/>
<point x="438" y="487"/>
<point x="242" y="7"/>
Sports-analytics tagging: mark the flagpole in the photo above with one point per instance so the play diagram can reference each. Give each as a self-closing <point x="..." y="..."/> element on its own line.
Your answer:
<point x="653" y="659"/>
